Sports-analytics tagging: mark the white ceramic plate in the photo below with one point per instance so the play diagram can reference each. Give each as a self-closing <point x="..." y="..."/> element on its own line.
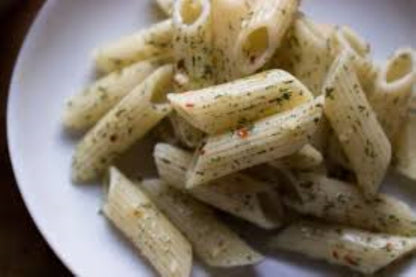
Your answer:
<point x="55" y="62"/>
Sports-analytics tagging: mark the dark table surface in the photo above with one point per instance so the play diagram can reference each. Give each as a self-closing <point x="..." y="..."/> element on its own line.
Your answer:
<point x="23" y="251"/>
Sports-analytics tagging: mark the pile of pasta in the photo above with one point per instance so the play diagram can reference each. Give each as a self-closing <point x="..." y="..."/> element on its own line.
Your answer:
<point x="259" y="112"/>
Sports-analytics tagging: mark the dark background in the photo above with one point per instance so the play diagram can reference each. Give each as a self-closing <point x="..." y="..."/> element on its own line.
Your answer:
<point x="23" y="251"/>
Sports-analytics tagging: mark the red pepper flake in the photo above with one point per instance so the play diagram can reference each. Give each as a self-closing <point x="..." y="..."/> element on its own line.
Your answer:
<point x="242" y="133"/>
<point x="335" y="254"/>
<point x="189" y="105"/>
<point x="350" y="260"/>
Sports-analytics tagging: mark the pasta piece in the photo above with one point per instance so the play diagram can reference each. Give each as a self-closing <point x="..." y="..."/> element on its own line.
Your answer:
<point x="319" y="139"/>
<point x="341" y="202"/>
<point x="135" y="215"/>
<point x="185" y="133"/>
<point x="345" y="39"/>
<point x="227" y="17"/>
<point x="359" y="250"/>
<point x="306" y="53"/>
<point x="405" y="152"/>
<point x="336" y="154"/>
<point x="237" y="194"/>
<point x="393" y="88"/>
<point x="126" y="123"/>
<point x="306" y="158"/>
<point x="212" y="241"/>
<point x="145" y="44"/>
<point x="192" y="43"/>
<point x="219" y="108"/>
<point x="262" y="33"/>
<point x="166" y="6"/>
<point x="83" y="110"/>
<point x="267" y="139"/>
<point x="355" y="124"/>
<point x="326" y="29"/>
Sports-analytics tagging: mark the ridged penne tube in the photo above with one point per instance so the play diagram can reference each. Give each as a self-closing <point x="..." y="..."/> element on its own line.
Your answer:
<point x="227" y="18"/>
<point x="335" y="153"/>
<point x="219" y="108"/>
<point x="307" y="157"/>
<point x="212" y="241"/>
<point x="84" y="109"/>
<point x="135" y="215"/>
<point x="262" y="33"/>
<point x="127" y="122"/>
<point x="359" y="250"/>
<point x="305" y="52"/>
<point x="237" y="194"/>
<point x="267" y="139"/>
<point x="393" y="88"/>
<point x="405" y="146"/>
<point x="355" y="125"/>
<point x="345" y="39"/>
<point x="341" y="202"/>
<point x="185" y="133"/>
<point x="326" y="29"/>
<point x="145" y="44"/>
<point x="166" y="6"/>
<point x="192" y="43"/>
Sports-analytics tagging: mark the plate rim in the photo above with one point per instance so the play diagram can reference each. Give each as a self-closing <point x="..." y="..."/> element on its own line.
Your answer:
<point x="10" y="134"/>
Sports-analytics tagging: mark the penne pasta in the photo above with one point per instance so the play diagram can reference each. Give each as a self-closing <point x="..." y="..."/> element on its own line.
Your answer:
<point x="308" y="157"/>
<point x="336" y="154"/>
<point x="192" y="44"/>
<point x="212" y="241"/>
<point x="393" y="88"/>
<point x="85" y="109"/>
<point x="345" y="39"/>
<point x="145" y="44"/>
<point x="405" y="146"/>
<point x="126" y="123"/>
<point x="189" y="136"/>
<point x="135" y="215"/>
<point x="166" y="6"/>
<point x="341" y="202"/>
<point x="355" y="125"/>
<point x="268" y="139"/>
<point x="306" y="53"/>
<point x="219" y="108"/>
<point x="361" y="251"/>
<point x="237" y="194"/>
<point x="227" y="17"/>
<point x="262" y="32"/>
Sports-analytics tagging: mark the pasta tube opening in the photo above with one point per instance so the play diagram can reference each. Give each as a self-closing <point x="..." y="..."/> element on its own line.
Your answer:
<point x="256" y="45"/>
<point x="401" y="69"/>
<point x="192" y="11"/>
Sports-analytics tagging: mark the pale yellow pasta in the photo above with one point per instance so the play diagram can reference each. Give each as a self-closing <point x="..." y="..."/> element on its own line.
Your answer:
<point x="340" y="202"/>
<point x="361" y="251"/>
<point x="308" y="157"/>
<point x="166" y="6"/>
<point x="227" y="17"/>
<point x="84" y="109"/>
<point x="262" y="32"/>
<point x="219" y="108"/>
<point x="212" y="241"/>
<point x="355" y="124"/>
<point x="305" y="53"/>
<point x="237" y="194"/>
<point x="265" y="140"/>
<point x="185" y="133"/>
<point x="345" y="39"/>
<point x="126" y="123"/>
<point x="405" y="146"/>
<point x="336" y="154"/>
<point x="135" y="215"/>
<point x="393" y="88"/>
<point x="142" y="45"/>
<point x="192" y="44"/>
